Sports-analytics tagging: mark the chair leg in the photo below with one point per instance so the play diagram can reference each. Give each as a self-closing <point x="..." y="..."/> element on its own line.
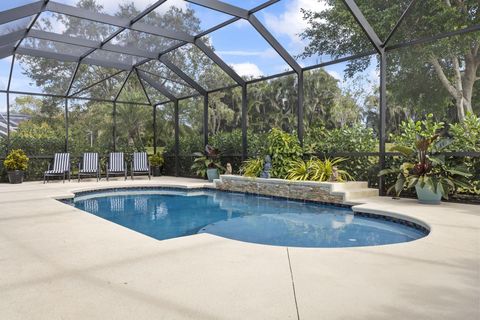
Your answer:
<point x="44" y="177"/>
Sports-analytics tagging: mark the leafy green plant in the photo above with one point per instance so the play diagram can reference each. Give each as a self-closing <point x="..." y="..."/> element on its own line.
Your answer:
<point x="423" y="166"/>
<point x="252" y="167"/>
<point x="283" y="148"/>
<point x="315" y="169"/>
<point x="466" y="134"/>
<point x="207" y="160"/>
<point x="354" y="138"/>
<point x="411" y="131"/>
<point x="157" y="160"/>
<point x="16" y="160"/>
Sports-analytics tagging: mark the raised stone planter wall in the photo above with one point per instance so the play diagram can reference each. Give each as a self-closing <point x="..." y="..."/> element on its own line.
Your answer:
<point x="299" y="190"/>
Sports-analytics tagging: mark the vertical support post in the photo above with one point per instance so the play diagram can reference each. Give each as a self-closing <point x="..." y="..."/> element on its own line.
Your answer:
<point x="177" y="139"/>
<point x="114" y="127"/>
<point x="382" y="117"/>
<point x="8" y="122"/>
<point x="66" y="125"/>
<point x="8" y="101"/>
<point x="205" y="119"/>
<point x="300" y="126"/>
<point x="154" y="128"/>
<point x="244" y="122"/>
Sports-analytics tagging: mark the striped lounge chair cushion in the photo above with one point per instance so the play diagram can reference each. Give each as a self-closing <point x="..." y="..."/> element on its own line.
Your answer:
<point x="117" y="164"/>
<point x="61" y="163"/>
<point x="90" y="162"/>
<point x="140" y="162"/>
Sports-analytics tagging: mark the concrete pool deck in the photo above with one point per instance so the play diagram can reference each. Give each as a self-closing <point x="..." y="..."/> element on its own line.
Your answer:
<point x="57" y="262"/>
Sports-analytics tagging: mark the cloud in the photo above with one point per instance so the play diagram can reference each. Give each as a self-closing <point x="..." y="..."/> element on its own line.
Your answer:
<point x="247" y="69"/>
<point x="291" y="22"/>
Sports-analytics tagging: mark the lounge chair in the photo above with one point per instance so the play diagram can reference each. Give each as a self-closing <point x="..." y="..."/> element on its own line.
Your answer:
<point x="61" y="167"/>
<point x="116" y="165"/>
<point x="140" y="164"/>
<point x="90" y="166"/>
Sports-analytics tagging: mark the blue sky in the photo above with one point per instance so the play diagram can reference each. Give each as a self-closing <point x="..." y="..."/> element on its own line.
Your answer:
<point x="238" y="44"/>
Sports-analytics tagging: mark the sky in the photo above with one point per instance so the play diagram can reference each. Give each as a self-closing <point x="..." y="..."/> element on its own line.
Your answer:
<point x="239" y="44"/>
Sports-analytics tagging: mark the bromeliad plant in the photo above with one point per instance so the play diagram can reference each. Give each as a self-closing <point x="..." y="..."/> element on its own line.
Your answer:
<point x="315" y="169"/>
<point x="207" y="160"/>
<point x="425" y="167"/>
<point x="252" y="167"/>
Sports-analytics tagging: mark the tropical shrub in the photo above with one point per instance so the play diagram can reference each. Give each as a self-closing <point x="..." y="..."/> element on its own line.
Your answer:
<point x="206" y="160"/>
<point x="466" y="134"/>
<point x="423" y="166"/>
<point x="252" y="167"/>
<point x="315" y="169"/>
<point x="37" y="139"/>
<point x="411" y="131"/>
<point x="355" y="138"/>
<point x="157" y="159"/>
<point x="16" y="160"/>
<point x="283" y="148"/>
<point x="466" y="137"/>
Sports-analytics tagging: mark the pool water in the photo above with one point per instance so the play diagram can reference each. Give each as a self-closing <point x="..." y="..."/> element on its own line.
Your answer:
<point x="165" y="214"/>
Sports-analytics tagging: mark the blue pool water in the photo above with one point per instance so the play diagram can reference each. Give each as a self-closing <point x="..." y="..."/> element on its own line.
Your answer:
<point x="165" y="214"/>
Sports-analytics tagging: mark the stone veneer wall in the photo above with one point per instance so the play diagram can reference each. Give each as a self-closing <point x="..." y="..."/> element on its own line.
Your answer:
<point x="299" y="190"/>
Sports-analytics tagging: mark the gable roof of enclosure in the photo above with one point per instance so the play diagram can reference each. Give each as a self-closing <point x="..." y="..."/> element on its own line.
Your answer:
<point x="133" y="60"/>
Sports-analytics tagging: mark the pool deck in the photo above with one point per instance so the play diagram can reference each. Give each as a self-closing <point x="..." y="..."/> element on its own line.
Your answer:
<point x="57" y="262"/>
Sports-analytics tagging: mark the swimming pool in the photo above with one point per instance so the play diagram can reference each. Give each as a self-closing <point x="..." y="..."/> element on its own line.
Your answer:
<point x="167" y="213"/>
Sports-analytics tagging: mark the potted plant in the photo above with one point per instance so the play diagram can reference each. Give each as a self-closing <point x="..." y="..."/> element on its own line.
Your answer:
<point x="426" y="170"/>
<point x="15" y="164"/>
<point x="207" y="164"/>
<point x="156" y="162"/>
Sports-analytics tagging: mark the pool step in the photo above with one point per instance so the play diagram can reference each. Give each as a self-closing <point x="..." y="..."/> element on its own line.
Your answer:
<point x="360" y="194"/>
<point x="350" y="185"/>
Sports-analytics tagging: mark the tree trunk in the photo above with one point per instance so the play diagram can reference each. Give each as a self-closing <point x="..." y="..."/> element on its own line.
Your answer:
<point x="454" y="90"/>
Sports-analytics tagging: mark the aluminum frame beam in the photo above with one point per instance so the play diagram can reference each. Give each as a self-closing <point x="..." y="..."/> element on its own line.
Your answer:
<point x="122" y="86"/>
<point x="94" y="84"/>
<point x="157" y="86"/>
<point x="21" y="12"/>
<point x="61" y="38"/>
<point x="143" y="87"/>
<point x="183" y="75"/>
<point x="274" y="43"/>
<point x="219" y="61"/>
<point x="71" y="58"/>
<point x="222" y="7"/>
<point x="125" y="23"/>
<point x="399" y="22"/>
<point x="11" y="38"/>
<point x="364" y="24"/>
